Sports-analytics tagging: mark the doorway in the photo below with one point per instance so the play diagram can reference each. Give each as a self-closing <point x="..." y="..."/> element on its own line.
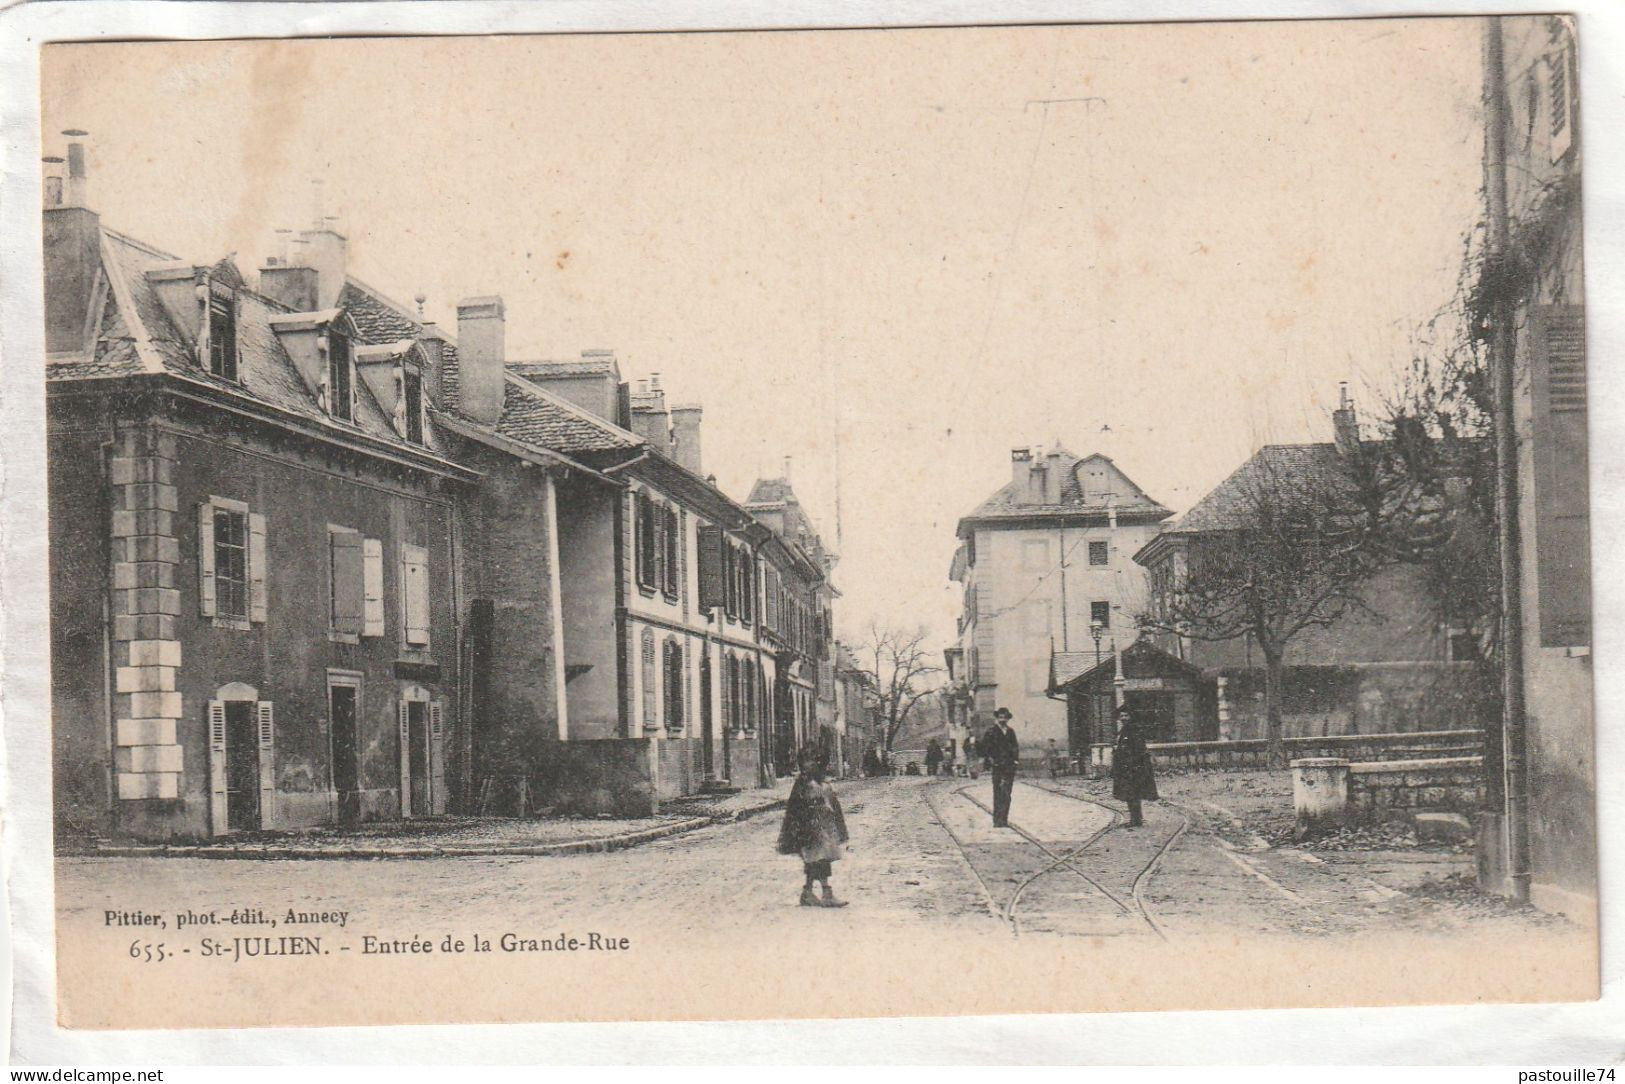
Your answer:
<point x="343" y="706"/>
<point x="417" y="800"/>
<point x="242" y="767"/>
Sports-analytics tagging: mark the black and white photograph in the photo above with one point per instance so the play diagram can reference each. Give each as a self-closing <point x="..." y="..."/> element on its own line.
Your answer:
<point x="816" y="523"/>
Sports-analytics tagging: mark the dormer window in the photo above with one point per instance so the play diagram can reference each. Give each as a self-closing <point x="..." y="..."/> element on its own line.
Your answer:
<point x="222" y="335"/>
<point x="412" y="396"/>
<point x="340" y="377"/>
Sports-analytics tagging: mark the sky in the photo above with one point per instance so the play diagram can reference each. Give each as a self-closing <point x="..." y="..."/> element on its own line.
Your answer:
<point x="890" y="256"/>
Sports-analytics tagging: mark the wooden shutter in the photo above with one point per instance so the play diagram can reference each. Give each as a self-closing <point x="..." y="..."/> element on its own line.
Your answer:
<point x="372" y="587"/>
<point x="415" y="594"/>
<point x="673" y="547"/>
<point x="265" y="727"/>
<point x="403" y="712"/>
<point x="1562" y="479"/>
<point x="682" y="558"/>
<point x="712" y="591"/>
<point x="347" y="601"/>
<point x="1560" y="98"/>
<point x="217" y="767"/>
<point x="205" y="559"/>
<point x="256" y="568"/>
<point x="648" y="680"/>
<point x="437" y="753"/>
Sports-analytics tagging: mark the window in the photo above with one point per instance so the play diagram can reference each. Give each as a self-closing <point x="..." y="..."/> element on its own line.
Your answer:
<point x="1461" y="645"/>
<point x="231" y="563"/>
<point x="223" y="335"/>
<point x="645" y="527"/>
<point x="412" y="396"/>
<point x="674" y="685"/>
<point x="673" y="550"/>
<point x="1561" y="100"/>
<point x="340" y="382"/>
<point x="1100" y="613"/>
<point x="1099" y="553"/>
<point x="415" y="595"/>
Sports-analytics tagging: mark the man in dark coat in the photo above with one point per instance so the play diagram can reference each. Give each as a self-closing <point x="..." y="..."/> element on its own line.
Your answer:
<point x="1001" y="751"/>
<point x="1132" y="778"/>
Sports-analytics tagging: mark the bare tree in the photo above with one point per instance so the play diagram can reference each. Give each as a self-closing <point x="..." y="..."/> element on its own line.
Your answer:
<point x="899" y="672"/>
<point x="1296" y="549"/>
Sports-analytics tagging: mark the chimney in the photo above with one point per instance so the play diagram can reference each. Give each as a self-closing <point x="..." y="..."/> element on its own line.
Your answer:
<point x="1021" y="469"/>
<point x="53" y="180"/>
<point x="326" y="252"/>
<point x="685" y="435"/>
<point x="433" y="342"/>
<point x="481" y="346"/>
<point x="1345" y="426"/>
<point x="1054" y="470"/>
<point x="73" y="259"/>
<point x="288" y="277"/>
<point x="649" y="417"/>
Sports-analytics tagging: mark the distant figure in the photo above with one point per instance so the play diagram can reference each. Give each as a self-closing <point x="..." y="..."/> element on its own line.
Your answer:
<point x="871" y="762"/>
<point x="1002" y="751"/>
<point x="1132" y="778"/>
<point x="1055" y="761"/>
<point x="948" y="759"/>
<point x="973" y="763"/>
<point x="933" y="757"/>
<point x="814" y="828"/>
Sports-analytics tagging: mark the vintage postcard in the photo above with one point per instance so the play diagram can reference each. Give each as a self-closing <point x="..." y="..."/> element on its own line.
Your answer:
<point x="826" y="523"/>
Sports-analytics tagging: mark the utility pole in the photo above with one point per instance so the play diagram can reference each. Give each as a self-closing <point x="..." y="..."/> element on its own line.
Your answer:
<point x="1502" y="350"/>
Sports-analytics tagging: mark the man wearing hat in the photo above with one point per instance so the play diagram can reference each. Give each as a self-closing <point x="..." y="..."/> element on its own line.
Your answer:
<point x="1001" y="751"/>
<point x="1132" y="778"/>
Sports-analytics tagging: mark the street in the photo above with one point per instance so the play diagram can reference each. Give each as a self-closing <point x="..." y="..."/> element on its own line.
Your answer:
<point x="923" y="857"/>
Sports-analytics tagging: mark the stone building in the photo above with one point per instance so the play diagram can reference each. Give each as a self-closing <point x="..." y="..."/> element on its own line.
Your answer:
<point x="1045" y="564"/>
<point x="1390" y="665"/>
<point x="254" y="556"/>
<point x="316" y="560"/>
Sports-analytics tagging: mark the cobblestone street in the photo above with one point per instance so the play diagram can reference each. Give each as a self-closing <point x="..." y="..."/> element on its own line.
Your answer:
<point x="924" y="857"/>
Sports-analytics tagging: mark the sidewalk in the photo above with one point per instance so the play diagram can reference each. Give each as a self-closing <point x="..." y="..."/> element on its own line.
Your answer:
<point x="466" y="837"/>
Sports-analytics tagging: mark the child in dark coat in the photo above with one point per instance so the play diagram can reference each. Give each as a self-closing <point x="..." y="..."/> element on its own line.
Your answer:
<point x="814" y="828"/>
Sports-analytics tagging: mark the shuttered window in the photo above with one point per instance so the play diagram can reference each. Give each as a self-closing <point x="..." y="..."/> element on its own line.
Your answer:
<point x="671" y="542"/>
<point x="674" y="685"/>
<point x="1099" y="553"/>
<point x="647" y="674"/>
<point x="231" y="562"/>
<point x="346" y="581"/>
<point x="1562" y="487"/>
<point x="372" y="587"/>
<point x="711" y="571"/>
<point x="1560" y="97"/>
<point x="340" y="377"/>
<point x="412" y="396"/>
<point x="645" y="529"/>
<point x="415" y="595"/>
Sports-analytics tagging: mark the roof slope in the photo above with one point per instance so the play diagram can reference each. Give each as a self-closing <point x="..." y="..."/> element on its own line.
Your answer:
<point x="1228" y="505"/>
<point x="1010" y="502"/>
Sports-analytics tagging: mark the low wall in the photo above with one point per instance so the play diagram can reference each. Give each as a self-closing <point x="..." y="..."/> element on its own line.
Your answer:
<point x="1331" y="791"/>
<point x="1254" y="752"/>
<point x="1397" y="788"/>
<point x="599" y="775"/>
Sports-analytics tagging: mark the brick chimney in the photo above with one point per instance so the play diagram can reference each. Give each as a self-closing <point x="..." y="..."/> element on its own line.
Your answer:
<point x="73" y="253"/>
<point x="288" y="276"/>
<point x="1345" y="426"/>
<point x="1054" y="473"/>
<point x="481" y="346"/>
<point x="685" y="435"/>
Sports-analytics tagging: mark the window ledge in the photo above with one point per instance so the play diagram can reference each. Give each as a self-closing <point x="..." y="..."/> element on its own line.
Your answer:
<point x="240" y="624"/>
<point x="338" y="637"/>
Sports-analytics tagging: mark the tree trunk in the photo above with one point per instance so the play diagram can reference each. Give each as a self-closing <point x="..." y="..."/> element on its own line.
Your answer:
<point x="1274" y="725"/>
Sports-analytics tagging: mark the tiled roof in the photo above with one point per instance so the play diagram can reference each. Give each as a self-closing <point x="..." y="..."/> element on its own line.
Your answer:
<point x="376" y="317"/>
<point x="137" y="336"/>
<point x="1008" y="501"/>
<point x="1066" y="665"/>
<point x="770" y="491"/>
<point x="584" y="367"/>
<point x="532" y="415"/>
<point x="1228" y="506"/>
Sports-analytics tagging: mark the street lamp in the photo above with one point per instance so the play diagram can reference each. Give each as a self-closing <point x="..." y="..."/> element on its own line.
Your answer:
<point x="1096" y="629"/>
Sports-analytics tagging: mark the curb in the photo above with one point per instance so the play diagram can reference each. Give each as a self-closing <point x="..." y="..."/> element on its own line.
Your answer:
<point x="261" y="852"/>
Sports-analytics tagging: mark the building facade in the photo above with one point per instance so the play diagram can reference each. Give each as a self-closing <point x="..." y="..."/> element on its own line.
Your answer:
<point x="1046" y="564"/>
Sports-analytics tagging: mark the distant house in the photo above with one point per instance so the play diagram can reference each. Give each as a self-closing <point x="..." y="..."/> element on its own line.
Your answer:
<point x="1046" y="564"/>
<point x="1390" y="665"/>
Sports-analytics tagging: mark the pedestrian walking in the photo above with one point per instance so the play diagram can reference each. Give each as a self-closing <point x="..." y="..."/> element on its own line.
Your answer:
<point x="1002" y="751"/>
<point x="933" y="756"/>
<point x="973" y="762"/>
<point x="1132" y="778"/>
<point x="815" y="829"/>
<point x="1055" y="762"/>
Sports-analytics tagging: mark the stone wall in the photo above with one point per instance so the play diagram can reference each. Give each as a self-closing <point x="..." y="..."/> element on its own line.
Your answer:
<point x="1253" y="753"/>
<point x="1390" y="790"/>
